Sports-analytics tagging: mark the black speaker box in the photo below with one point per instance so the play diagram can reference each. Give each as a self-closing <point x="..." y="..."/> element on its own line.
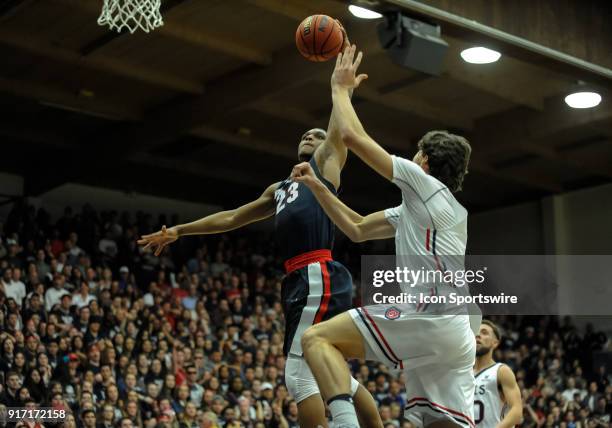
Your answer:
<point x="413" y="44"/>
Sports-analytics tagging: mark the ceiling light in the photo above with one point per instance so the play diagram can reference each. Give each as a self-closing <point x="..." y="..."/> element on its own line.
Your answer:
<point x="363" y="13"/>
<point x="480" y="55"/>
<point x="583" y="99"/>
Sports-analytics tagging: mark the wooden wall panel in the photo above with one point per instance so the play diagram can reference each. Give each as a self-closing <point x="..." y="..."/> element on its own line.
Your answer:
<point x="577" y="27"/>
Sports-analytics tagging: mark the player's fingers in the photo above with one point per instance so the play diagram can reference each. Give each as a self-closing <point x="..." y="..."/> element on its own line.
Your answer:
<point x="358" y="61"/>
<point x="360" y="79"/>
<point x="151" y="235"/>
<point x="159" y="249"/>
<point x="163" y="231"/>
<point x="352" y="54"/>
<point x="345" y="38"/>
<point x="346" y="61"/>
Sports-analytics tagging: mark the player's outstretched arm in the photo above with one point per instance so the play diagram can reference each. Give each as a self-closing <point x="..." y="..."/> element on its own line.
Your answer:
<point x="357" y="227"/>
<point x="350" y="128"/>
<point x="512" y="394"/>
<point x="224" y="221"/>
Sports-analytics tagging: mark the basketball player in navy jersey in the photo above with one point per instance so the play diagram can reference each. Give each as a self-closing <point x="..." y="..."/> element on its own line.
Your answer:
<point x="316" y="288"/>
<point x="497" y="398"/>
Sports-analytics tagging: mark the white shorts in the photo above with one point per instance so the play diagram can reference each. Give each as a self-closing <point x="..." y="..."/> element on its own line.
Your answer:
<point x="300" y="381"/>
<point x="437" y="354"/>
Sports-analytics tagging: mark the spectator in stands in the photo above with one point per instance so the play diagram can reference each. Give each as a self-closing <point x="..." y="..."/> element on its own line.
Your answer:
<point x="120" y="338"/>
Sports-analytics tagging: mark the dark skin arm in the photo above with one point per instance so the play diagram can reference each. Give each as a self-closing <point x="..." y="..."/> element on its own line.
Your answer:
<point x="331" y="155"/>
<point x="224" y="221"/>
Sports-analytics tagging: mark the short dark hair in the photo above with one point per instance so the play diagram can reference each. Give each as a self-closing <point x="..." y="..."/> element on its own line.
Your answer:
<point x="494" y="327"/>
<point x="86" y="411"/>
<point x="448" y="156"/>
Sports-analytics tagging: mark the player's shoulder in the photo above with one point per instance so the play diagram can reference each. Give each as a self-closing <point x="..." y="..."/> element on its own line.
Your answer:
<point x="504" y="371"/>
<point x="275" y="186"/>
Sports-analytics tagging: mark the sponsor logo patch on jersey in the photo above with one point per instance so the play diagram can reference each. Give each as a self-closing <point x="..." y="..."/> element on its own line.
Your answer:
<point x="392" y="313"/>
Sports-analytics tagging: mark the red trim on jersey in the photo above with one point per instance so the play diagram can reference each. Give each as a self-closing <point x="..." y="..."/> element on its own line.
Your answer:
<point x="427" y="240"/>
<point x="451" y="411"/>
<point x="367" y="314"/>
<point x="326" y="294"/>
<point x="305" y="259"/>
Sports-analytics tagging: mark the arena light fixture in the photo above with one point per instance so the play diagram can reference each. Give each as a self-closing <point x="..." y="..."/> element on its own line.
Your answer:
<point x="480" y="55"/>
<point x="363" y="13"/>
<point x="583" y="99"/>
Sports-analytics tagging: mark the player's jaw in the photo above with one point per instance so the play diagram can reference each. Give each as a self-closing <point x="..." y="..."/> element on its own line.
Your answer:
<point x="482" y="349"/>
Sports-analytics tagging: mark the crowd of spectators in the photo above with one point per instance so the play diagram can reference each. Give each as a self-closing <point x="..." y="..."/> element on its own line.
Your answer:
<point x="93" y="324"/>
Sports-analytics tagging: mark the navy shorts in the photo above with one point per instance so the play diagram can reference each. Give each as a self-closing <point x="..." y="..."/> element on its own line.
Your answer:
<point x="315" y="289"/>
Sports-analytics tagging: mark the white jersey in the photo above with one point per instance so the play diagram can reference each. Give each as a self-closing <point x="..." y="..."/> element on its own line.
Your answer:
<point x="489" y="408"/>
<point x="431" y="233"/>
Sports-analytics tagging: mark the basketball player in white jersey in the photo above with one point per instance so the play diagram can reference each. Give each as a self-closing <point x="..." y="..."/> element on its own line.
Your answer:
<point x="497" y="398"/>
<point x="434" y="344"/>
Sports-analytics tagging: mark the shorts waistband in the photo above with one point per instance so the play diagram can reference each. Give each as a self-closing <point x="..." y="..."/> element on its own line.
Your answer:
<point x="304" y="259"/>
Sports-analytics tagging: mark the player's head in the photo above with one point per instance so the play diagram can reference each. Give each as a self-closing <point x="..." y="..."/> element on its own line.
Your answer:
<point x="444" y="156"/>
<point x="488" y="338"/>
<point x="309" y="143"/>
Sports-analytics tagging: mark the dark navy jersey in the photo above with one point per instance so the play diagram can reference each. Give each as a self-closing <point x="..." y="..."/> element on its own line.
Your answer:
<point x="300" y="223"/>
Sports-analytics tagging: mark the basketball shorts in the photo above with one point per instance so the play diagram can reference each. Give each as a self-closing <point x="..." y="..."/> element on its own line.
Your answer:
<point x="315" y="289"/>
<point x="436" y="353"/>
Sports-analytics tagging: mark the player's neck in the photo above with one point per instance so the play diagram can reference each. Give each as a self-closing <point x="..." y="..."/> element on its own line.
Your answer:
<point x="305" y="158"/>
<point x="483" y="362"/>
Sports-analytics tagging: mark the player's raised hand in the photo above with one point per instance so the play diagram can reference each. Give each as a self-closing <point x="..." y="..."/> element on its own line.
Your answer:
<point x="345" y="73"/>
<point x="303" y="173"/>
<point x="157" y="241"/>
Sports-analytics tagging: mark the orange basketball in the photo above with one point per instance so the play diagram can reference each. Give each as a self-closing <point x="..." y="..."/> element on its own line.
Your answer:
<point x="319" y="38"/>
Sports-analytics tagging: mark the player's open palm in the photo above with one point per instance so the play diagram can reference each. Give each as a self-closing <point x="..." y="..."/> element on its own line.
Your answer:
<point x="157" y="241"/>
<point x="345" y="73"/>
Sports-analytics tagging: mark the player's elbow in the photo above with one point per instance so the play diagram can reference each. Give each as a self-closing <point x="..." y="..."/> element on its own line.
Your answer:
<point x="229" y="222"/>
<point x="520" y="418"/>
<point x="518" y="415"/>
<point x="357" y="233"/>
<point x="349" y="137"/>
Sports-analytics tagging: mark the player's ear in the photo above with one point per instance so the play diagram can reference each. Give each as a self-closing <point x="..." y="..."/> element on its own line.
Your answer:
<point x="425" y="163"/>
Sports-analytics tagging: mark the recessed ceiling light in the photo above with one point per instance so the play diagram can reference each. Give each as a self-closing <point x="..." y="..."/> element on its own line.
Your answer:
<point x="583" y="99"/>
<point x="363" y="13"/>
<point x="480" y="55"/>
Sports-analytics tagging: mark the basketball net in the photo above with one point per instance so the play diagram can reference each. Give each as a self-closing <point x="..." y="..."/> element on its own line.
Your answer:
<point x="131" y="15"/>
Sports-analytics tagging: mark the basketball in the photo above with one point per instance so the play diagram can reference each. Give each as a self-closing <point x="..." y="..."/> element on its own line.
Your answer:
<point x="319" y="38"/>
